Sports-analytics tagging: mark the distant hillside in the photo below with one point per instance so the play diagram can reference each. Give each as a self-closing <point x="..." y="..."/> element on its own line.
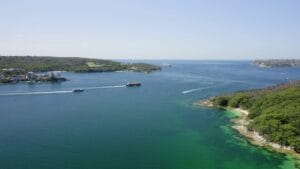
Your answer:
<point x="274" y="112"/>
<point x="269" y="63"/>
<point x="42" y="64"/>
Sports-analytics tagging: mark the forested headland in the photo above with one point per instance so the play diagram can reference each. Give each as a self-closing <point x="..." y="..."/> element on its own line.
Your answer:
<point x="74" y="64"/>
<point x="274" y="112"/>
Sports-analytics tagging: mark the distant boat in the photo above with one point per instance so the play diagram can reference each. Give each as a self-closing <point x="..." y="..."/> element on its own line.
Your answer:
<point x="77" y="90"/>
<point x="133" y="84"/>
<point x="167" y="65"/>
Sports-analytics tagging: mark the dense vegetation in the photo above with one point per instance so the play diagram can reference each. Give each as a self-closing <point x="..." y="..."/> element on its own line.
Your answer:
<point x="274" y="112"/>
<point x="277" y="63"/>
<point x="42" y="64"/>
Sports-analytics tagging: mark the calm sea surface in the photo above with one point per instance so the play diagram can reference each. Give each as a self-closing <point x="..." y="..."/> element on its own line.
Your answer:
<point x="109" y="126"/>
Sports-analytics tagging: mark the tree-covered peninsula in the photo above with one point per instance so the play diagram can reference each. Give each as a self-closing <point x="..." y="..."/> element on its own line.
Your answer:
<point x="274" y="112"/>
<point x="28" y="68"/>
<point x="74" y="64"/>
<point x="270" y="63"/>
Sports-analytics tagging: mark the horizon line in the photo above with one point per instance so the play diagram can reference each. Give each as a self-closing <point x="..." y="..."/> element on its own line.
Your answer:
<point x="186" y="59"/>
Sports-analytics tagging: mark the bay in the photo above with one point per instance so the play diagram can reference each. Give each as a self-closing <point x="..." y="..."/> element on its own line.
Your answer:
<point x="154" y="126"/>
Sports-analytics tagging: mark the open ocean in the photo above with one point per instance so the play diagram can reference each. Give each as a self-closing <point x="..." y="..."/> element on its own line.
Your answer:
<point x="155" y="126"/>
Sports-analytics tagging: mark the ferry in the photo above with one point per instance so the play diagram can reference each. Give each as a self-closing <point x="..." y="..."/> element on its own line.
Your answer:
<point x="133" y="84"/>
<point x="77" y="90"/>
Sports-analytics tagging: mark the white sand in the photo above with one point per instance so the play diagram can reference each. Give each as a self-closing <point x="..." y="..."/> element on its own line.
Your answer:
<point x="241" y="123"/>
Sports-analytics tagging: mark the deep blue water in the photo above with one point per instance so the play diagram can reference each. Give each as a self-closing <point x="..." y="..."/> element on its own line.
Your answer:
<point x="154" y="126"/>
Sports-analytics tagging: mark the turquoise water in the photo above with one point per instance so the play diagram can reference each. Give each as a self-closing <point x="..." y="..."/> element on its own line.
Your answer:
<point x="151" y="127"/>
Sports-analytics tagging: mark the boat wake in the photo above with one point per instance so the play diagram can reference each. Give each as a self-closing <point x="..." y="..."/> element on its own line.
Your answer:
<point x="104" y="87"/>
<point x="194" y="90"/>
<point x="37" y="93"/>
<point x="60" y="91"/>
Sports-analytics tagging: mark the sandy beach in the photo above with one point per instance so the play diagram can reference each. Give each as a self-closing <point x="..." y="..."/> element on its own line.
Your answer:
<point x="241" y="122"/>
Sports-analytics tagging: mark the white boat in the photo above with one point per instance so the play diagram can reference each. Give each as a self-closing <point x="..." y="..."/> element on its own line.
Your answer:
<point x="77" y="90"/>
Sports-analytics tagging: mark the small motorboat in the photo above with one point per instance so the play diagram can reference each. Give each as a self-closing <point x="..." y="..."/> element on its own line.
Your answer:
<point x="167" y="65"/>
<point x="133" y="84"/>
<point x="77" y="90"/>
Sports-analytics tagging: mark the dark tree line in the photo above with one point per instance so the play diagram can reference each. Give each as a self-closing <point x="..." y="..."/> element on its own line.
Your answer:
<point x="43" y="64"/>
<point x="274" y="112"/>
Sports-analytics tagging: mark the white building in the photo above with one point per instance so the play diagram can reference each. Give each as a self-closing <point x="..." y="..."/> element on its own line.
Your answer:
<point x="31" y="75"/>
<point x="54" y="74"/>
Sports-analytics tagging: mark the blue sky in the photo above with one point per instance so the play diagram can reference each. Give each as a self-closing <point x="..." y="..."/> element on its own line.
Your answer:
<point x="151" y="29"/>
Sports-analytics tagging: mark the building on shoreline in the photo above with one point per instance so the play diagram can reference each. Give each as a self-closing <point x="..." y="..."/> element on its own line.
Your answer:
<point x="14" y="75"/>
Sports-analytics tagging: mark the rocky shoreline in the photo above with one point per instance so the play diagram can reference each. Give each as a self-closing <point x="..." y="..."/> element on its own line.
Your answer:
<point x="240" y="124"/>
